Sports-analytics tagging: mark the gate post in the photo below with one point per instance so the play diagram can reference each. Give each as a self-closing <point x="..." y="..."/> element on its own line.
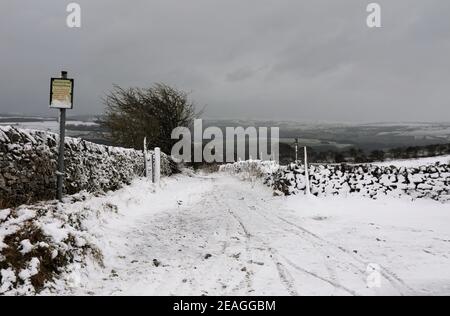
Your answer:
<point x="145" y="158"/>
<point x="157" y="165"/>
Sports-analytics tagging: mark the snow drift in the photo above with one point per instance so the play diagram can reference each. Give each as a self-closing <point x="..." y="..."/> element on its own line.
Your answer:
<point x="48" y="248"/>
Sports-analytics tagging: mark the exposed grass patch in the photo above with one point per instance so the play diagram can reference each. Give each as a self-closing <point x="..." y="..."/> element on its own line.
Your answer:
<point x="25" y="243"/>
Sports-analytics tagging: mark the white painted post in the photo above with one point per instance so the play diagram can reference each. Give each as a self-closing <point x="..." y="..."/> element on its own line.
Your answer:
<point x="308" y="189"/>
<point x="145" y="158"/>
<point x="157" y="167"/>
<point x="151" y="167"/>
<point x="152" y="162"/>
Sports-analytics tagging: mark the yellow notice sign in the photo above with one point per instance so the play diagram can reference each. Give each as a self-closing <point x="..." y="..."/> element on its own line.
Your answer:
<point x="61" y="93"/>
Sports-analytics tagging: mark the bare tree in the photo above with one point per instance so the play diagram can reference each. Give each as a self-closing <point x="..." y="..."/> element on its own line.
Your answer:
<point x="132" y="114"/>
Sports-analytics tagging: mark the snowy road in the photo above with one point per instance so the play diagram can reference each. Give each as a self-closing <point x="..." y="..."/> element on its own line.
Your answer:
<point x="232" y="238"/>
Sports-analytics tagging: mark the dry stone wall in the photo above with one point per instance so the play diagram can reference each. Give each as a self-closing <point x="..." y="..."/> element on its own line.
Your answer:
<point x="28" y="162"/>
<point x="429" y="181"/>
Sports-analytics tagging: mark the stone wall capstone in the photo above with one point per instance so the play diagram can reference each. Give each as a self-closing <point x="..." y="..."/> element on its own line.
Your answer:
<point x="28" y="162"/>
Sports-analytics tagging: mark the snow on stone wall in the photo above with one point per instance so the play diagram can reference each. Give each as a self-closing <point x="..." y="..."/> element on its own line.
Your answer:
<point x="251" y="168"/>
<point x="432" y="181"/>
<point x="28" y="162"/>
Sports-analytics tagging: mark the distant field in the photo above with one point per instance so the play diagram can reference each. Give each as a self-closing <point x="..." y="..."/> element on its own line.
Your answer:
<point x="88" y="129"/>
<point x="320" y="136"/>
<point x="414" y="163"/>
<point x="316" y="143"/>
<point x="338" y="136"/>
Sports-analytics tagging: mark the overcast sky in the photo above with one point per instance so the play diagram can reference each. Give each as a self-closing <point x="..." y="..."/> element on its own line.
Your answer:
<point x="270" y="59"/>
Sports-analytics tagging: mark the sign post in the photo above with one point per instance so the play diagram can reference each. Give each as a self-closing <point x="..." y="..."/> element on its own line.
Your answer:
<point x="61" y="97"/>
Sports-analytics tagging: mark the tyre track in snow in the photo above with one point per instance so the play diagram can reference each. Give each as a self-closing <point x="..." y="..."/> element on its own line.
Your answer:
<point x="252" y="248"/>
<point x="356" y="262"/>
<point x="283" y="268"/>
<point x="388" y="275"/>
<point x="252" y="243"/>
<point x="341" y="256"/>
<point x="284" y="272"/>
<point x="284" y="276"/>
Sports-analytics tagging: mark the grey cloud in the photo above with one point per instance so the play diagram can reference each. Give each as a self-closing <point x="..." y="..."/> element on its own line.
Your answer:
<point x="286" y="59"/>
<point x="242" y="74"/>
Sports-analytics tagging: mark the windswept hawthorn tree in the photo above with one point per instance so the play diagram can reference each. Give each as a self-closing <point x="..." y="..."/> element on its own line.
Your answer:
<point x="134" y="113"/>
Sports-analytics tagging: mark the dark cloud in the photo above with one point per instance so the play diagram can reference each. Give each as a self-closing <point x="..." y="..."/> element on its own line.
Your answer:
<point x="286" y="59"/>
